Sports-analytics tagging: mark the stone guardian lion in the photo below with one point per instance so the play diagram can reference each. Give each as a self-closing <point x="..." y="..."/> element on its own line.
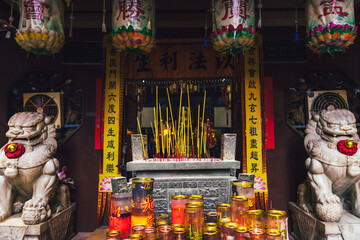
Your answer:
<point x="28" y="168"/>
<point x="333" y="165"/>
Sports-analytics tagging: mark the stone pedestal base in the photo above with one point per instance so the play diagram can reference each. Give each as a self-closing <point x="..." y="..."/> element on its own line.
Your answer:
<point x="307" y="227"/>
<point x="59" y="227"/>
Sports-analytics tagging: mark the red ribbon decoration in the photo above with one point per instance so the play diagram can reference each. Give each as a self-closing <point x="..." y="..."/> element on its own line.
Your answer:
<point x="341" y="146"/>
<point x="18" y="152"/>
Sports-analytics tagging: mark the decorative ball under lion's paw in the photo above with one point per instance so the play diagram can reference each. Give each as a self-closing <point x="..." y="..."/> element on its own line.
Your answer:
<point x="330" y="212"/>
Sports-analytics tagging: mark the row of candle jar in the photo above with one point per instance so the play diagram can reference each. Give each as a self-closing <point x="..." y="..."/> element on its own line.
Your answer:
<point x="239" y="212"/>
<point x="160" y="232"/>
<point x="232" y="231"/>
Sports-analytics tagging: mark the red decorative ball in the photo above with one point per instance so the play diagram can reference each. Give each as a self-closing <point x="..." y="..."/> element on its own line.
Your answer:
<point x="347" y="147"/>
<point x="14" y="150"/>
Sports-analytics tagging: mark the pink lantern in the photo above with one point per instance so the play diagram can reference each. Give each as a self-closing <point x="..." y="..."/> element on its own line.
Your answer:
<point x="330" y="25"/>
<point x="234" y="22"/>
<point x="133" y="26"/>
<point x="41" y="26"/>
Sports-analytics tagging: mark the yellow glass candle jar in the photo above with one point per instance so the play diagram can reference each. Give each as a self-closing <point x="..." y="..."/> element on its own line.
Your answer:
<point x="142" y="209"/>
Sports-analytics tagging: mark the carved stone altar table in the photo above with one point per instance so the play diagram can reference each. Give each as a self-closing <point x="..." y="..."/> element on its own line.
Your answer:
<point x="194" y="177"/>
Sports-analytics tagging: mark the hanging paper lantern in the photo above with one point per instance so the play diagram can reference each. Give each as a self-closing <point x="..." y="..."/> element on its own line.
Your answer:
<point x="330" y="25"/>
<point x="133" y="25"/>
<point x="234" y="23"/>
<point x="41" y="26"/>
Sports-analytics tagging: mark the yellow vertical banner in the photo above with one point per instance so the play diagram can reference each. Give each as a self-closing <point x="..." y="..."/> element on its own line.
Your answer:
<point x="113" y="106"/>
<point x="255" y="163"/>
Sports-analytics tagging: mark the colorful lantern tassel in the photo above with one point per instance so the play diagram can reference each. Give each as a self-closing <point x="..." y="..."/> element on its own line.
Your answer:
<point x="71" y="20"/>
<point x="296" y="25"/>
<point x="103" y="27"/>
<point x="260" y="5"/>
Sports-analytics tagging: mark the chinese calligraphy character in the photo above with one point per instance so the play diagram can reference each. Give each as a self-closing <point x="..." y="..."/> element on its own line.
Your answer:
<point x="254" y="155"/>
<point x="330" y="8"/>
<point x="254" y="167"/>
<point x="111" y="108"/>
<point x="112" y="85"/>
<point x="109" y="168"/>
<point x="252" y="107"/>
<point x="111" y="97"/>
<point x="236" y="8"/>
<point x="166" y="60"/>
<point x="253" y="131"/>
<point x="35" y="8"/>
<point x="251" y="61"/>
<point x="111" y="132"/>
<point x="253" y="120"/>
<point x="253" y="143"/>
<point x="252" y="72"/>
<point x="111" y="120"/>
<point x="198" y="61"/>
<point x="130" y="8"/>
<point x="225" y="62"/>
<point x="110" y="144"/>
<point x="143" y="62"/>
<point x="252" y="96"/>
<point x="111" y="72"/>
<point x="252" y="84"/>
<point x="110" y="156"/>
<point x="112" y="62"/>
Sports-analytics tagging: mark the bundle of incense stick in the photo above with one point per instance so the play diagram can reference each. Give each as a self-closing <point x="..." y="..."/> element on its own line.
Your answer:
<point x="176" y="138"/>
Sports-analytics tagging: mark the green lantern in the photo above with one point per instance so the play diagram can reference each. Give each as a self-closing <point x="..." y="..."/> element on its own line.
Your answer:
<point x="41" y="26"/>
<point x="234" y="22"/>
<point x="133" y="26"/>
<point x="330" y="25"/>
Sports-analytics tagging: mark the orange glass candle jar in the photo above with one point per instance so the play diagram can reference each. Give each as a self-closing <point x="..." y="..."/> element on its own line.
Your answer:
<point x="239" y="205"/>
<point x="242" y="233"/>
<point x="178" y="205"/>
<point x="178" y="234"/>
<point x="193" y="227"/>
<point x="113" y="234"/>
<point x="200" y="206"/>
<point x="222" y="223"/>
<point x="255" y="219"/>
<point x="138" y="229"/>
<point x="196" y="198"/>
<point x="211" y="235"/>
<point x="272" y="234"/>
<point x="276" y="220"/>
<point x="136" y="236"/>
<point x="164" y="232"/>
<point x="257" y="234"/>
<point x="212" y="217"/>
<point x="245" y="189"/>
<point x="229" y="231"/>
<point x="142" y="211"/>
<point x="224" y="211"/>
<point x="150" y="233"/>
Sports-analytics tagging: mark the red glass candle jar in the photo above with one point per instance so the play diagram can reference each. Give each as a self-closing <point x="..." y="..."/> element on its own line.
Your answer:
<point x="178" y="205"/>
<point x="120" y="213"/>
